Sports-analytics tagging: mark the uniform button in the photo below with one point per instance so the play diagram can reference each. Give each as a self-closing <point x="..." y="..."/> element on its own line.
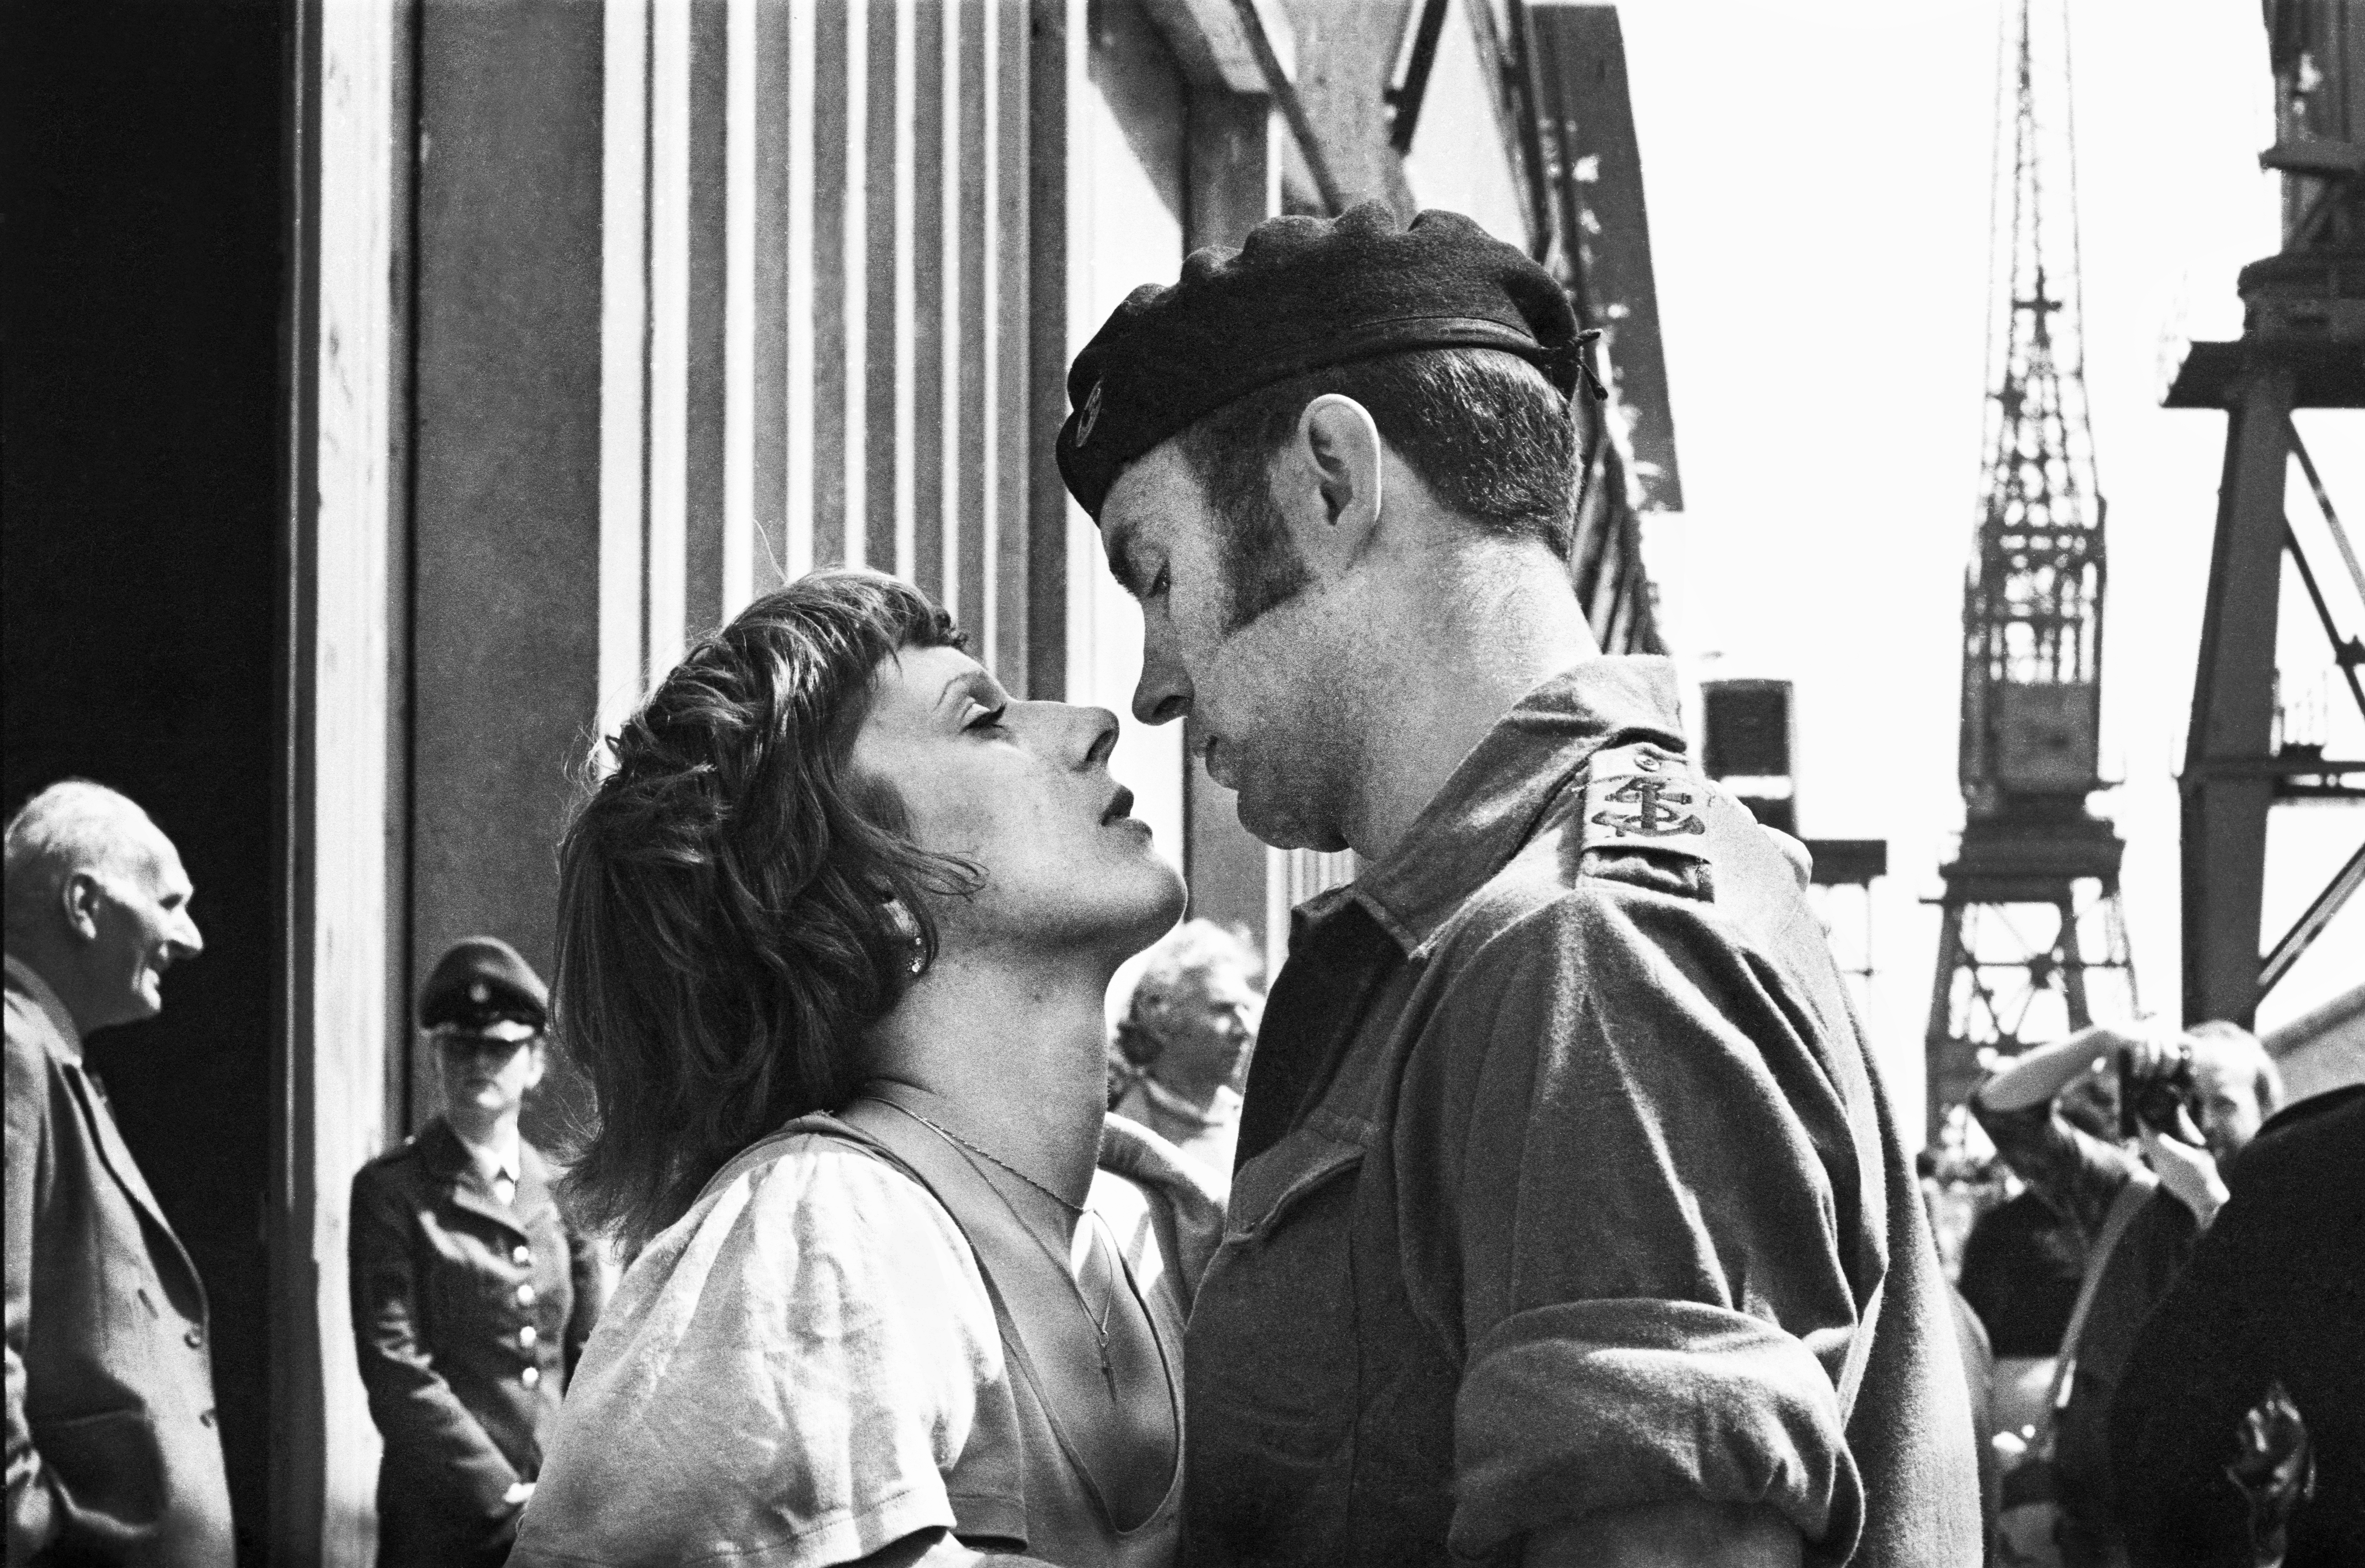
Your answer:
<point x="207" y="1419"/>
<point x="520" y="1254"/>
<point x="526" y="1336"/>
<point x="525" y="1295"/>
<point x="531" y="1376"/>
<point x="196" y="1341"/>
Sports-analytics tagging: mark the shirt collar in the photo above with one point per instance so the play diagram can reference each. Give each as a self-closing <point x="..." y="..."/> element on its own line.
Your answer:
<point x="1496" y="800"/>
<point x="29" y="980"/>
<point x="492" y="1161"/>
<point x="1223" y="1107"/>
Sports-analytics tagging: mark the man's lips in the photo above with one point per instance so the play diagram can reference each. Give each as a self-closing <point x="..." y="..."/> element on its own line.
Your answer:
<point x="1211" y="754"/>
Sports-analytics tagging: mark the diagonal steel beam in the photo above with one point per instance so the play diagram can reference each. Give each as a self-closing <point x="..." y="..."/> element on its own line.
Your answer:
<point x="2285" y="953"/>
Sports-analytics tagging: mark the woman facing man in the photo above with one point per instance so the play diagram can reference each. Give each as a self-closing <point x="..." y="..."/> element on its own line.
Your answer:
<point x="834" y="937"/>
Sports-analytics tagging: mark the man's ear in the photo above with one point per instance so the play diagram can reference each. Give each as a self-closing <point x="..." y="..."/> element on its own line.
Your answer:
<point x="1340" y="477"/>
<point x="79" y="897"/>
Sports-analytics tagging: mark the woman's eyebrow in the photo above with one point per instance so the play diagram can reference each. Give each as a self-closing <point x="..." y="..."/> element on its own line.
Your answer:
<point x="969" y="683"/>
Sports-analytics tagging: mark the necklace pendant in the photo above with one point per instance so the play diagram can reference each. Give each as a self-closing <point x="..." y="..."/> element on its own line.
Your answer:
<point x="1108" y="1373"/>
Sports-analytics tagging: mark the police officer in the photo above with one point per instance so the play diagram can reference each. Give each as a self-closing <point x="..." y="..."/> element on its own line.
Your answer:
<point x="471" y="1299"/>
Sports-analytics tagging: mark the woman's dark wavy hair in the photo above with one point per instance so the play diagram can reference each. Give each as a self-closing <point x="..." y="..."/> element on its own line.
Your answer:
<point x="722" y="934"/>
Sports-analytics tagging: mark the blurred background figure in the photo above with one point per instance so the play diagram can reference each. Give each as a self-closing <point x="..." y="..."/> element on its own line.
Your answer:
<point x="471" y="1298"/>
<point x="2022" y="1266"/>
<point x="1184" y="1042"/>
<point x="2188" y="1104"/>
<point x="2269" y="1314"/>
<point x="114" y="1454"/>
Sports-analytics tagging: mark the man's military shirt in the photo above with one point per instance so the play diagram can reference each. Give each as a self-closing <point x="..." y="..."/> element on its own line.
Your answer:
<point x="1567" y="1185"/>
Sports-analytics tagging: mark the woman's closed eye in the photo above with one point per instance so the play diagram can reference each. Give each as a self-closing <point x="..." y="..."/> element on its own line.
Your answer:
<point x="988" y="719"/>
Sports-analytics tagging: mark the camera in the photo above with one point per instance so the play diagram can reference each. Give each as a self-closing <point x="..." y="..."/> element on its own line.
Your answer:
<point x="2153" y="1098"/>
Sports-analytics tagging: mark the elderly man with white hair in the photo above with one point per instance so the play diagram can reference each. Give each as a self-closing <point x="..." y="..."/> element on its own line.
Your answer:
<point x="114" y="1454"/>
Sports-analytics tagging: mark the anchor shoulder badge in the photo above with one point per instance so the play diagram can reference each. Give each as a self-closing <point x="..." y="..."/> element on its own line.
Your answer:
<point x="1644" y="820"/>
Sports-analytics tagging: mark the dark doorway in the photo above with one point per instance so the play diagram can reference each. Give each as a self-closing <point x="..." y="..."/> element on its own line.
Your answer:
<point x="142" y="426"/>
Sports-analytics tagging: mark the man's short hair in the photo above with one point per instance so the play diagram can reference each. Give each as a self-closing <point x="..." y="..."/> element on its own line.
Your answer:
<point x="1491" y="439"/>
<point x="74" y="826"/>
<point x="2230" y="1040"/>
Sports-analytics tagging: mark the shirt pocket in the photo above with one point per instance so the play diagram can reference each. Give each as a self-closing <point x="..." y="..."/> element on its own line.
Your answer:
<point x="1273" y="1364"/>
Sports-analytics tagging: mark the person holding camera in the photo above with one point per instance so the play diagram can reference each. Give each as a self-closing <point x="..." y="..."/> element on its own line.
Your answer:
<point x="2189" y="1102"/>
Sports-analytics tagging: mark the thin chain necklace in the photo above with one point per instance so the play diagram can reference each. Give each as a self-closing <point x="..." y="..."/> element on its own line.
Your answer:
<point x="941" y="1131"/>
<point x="1109" y="1313"/>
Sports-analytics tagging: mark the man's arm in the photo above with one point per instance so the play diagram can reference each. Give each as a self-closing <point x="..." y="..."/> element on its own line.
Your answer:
<point x="415" y="1409"/>
<point x="1654" y="1180"/>
<point x="32" y="1505"/>
<point x="2038" y="1075"/>
<point x="2078" y="1176"/>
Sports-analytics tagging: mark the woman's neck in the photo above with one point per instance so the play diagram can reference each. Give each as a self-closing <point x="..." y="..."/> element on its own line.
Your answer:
<point x="1010" y="1059"/>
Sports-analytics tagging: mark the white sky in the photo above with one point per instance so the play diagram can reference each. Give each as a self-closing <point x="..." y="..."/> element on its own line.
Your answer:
<point x="1818" y="185"/>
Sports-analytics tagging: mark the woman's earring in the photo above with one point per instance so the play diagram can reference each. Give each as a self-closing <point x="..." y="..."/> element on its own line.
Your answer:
<point x="919" y="957"/>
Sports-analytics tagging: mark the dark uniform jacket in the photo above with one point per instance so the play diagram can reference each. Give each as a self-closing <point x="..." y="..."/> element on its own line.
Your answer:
<point x="2276" y="1293"/>
<point x="468" y="1314"/>
<point x="112" y="1453"/>
<point x="1565" y="1185"/>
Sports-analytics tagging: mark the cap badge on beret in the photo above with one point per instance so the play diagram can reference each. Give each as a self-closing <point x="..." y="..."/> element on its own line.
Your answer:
<point x="479" y="991"/>
<point x="1091" y="414"/>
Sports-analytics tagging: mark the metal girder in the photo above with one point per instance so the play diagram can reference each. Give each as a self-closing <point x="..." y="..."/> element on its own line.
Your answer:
<point x="2224" y="808"/>
<point x="2309" y="927"/>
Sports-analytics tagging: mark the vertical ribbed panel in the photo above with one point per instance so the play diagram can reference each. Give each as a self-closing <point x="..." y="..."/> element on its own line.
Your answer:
<point x="817" y="331"/>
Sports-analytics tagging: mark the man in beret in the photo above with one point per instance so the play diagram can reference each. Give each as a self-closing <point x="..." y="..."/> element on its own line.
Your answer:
<point x="471" y="1299"/>
<point x="1570" y="1223"/>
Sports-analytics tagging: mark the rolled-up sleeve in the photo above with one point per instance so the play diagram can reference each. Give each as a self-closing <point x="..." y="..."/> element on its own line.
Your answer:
<point x="1655" y="1182"/>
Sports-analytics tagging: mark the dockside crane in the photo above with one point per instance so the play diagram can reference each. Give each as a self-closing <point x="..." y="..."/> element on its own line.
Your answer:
<point x="2030" y="918"/>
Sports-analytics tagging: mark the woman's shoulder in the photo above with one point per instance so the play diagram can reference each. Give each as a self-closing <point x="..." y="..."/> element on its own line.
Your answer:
<point x="821" y="1187"/>
<point x="786" y="1374"/>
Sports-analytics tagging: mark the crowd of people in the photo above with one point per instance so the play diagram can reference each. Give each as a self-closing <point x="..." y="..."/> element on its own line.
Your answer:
<point x="1551" y="1211"/>
<point x="2123" y="1139"/>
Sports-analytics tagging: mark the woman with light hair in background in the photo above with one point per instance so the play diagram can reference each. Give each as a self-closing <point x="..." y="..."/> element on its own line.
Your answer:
<point x="1182" y="1044"/>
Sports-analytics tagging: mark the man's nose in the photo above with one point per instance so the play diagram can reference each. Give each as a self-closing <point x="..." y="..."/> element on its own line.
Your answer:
<point x="1163" y="693"/>
<point x="188" y="938"/>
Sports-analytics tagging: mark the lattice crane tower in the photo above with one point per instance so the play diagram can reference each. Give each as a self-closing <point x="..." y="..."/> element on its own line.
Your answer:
<point x="2032" y="921"/>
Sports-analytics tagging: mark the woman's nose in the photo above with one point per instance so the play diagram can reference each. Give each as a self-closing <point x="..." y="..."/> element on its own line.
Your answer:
<point x="1101" y="731"/>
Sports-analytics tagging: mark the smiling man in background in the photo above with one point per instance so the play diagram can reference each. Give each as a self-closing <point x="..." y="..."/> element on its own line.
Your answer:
<point x="113" y="1452"/>
<point x="1570" y="1225"/>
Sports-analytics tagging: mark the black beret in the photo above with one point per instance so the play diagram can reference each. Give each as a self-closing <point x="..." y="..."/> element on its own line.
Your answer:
<point x="482" y="986"/>
<point x="1300" y="295"/>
